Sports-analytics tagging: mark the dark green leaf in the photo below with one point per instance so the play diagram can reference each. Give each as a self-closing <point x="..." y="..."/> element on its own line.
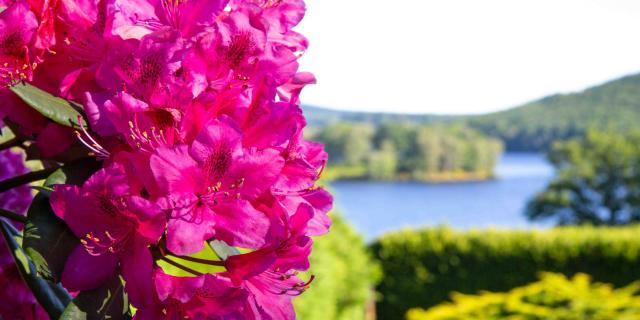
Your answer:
<point x="47" y="239"/>
<point x="222" y="249"/>
<point x="106" y="302"/>
<point x="50" y="296"/>
<point x="57" y="109"/>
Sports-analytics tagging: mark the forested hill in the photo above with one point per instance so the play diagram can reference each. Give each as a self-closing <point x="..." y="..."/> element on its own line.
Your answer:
<point x="534" y="126"/>
<point x="614" y="105"/>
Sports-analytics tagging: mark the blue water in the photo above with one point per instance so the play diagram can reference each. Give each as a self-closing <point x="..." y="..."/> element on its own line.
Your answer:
<point x="377" y="207"/>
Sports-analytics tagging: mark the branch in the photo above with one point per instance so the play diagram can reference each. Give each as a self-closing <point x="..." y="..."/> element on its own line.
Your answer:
<point x="15" y="142"/>
<point x="13" y="216"/>
<point x="203" y="261"/>
<point x="179" y="266"/>
<point x="25" y="178"/>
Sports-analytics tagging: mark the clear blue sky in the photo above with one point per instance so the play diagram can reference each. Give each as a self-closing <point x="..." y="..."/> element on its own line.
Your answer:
<point x="463" y="56"/>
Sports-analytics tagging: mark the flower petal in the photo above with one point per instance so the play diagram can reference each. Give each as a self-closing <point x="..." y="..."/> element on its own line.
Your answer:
<point x="87" y="272"/>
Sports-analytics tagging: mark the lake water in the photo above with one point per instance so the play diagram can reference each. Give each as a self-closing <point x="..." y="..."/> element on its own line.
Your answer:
<point x="377" y="207"/>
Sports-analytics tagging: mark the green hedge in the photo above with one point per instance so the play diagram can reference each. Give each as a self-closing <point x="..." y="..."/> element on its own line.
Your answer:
<point x="345" y="277"/>
<point x="422" y="267"/>
<point x="554" y="297"/>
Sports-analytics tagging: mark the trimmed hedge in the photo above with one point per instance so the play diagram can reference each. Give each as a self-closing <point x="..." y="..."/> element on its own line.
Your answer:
<point x="554" y="297"/>
<point x="345" y="277"/>
<point x="422" y="267"/>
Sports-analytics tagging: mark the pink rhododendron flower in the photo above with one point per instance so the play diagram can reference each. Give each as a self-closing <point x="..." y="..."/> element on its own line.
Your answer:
<point x="115" y="228"/>
<point x="209" y="296"/>
<point x="137" y="18"/>
<point x="193" y="109"/>
<point x="17" y="29"/>
<point x="209" y="185"/>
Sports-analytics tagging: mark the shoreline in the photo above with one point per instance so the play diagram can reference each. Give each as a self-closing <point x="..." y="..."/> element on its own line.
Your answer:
<point x="440" y="177"/>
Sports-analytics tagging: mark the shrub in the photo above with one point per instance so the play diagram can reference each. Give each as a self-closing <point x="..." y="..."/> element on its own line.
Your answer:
<point x="554" y="297"/>
<point x="422" y="267"/>
<point x="345" y="277"/>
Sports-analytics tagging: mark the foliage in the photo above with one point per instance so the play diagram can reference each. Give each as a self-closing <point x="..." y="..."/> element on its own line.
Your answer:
<point x="383" y="164"/>
<point x="57" y="109"/>
<point x="404" y="150"/>
<point x="422" y="267"/>
<point x="348" y="144"/>
<point x="345" y="277"/>
<point x="554" y="297"/>
<point x="597" y="181"/>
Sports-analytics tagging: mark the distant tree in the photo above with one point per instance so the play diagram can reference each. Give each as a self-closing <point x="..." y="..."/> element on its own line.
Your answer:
<point x="597" y="181"/>
<point x="347" y="143"/>
<point x="452" y="153"/>
<point x="427" y="152"/>
<point x="404" y="149"/>
<point x="383" y="163"/>
<point x="358" y="144"/>
<point x="402" y="136"/>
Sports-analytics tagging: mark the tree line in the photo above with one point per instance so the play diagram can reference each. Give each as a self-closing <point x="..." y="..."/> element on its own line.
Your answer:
<point x="400" y="150"/>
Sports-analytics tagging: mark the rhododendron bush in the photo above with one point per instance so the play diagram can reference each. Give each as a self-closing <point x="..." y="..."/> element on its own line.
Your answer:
<point x="168" y="133"/>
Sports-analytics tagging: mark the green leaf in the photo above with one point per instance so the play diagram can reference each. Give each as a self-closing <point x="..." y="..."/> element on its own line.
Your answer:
<point x="57" y="109"/>
<point x="47" y="239"/>
<point x="50" y="296"/>
<point x="222" y="249"/>
<point x="106" y="302"/>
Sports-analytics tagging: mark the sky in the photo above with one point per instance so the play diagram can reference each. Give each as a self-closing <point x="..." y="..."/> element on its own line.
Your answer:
<point x="463" y="56"/>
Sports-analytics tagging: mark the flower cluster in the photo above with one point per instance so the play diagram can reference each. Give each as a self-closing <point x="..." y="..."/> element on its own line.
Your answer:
<point x="193" y="109"/>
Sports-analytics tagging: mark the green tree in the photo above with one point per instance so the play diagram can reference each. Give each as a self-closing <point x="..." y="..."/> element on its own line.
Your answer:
<point x="347" y="143"/>
<point x="383" y="163"/>
<point x="597" y="181"/>
<point x="402" y="136"/>
<point x="428" y="150"/>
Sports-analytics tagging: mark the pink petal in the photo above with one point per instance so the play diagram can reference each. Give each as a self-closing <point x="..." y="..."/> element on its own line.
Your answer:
<point x="83" y="271"/>
<point x="54" y="139"/>
<point x="175" y="171"/>
<point x="137" y="271"/>
<point x="239" y="224"/>
<point x="257" y="169"/>
<point x="188" y="229"/>
<point x="179" y="288"/>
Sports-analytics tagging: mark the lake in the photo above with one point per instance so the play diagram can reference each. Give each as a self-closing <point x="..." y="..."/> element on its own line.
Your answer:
<point x="377" y="207"/>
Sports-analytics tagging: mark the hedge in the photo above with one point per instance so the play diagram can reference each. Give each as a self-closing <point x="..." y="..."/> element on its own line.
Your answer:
<point x="345" y="276"/>
<point x="422" y="267"/>
<point x="554" y="297"/>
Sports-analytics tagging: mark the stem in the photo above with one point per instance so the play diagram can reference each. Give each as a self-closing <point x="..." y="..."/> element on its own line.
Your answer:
<point x="12" y="215"/>
<point x="179" y="266"/>
<point x="25" y="178"/>
<point x="15" y="142"/>
<point x="203" y="261"/>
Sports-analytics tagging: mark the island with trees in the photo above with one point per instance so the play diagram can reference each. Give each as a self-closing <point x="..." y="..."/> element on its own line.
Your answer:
<point x="408" y="151"/>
